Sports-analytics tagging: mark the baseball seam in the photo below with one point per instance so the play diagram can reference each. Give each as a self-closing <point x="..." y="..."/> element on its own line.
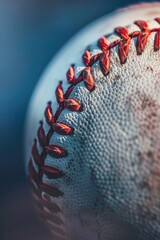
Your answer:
<point x="65" y="102"/>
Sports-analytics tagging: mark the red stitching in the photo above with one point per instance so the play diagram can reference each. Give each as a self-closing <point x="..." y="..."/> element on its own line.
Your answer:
<point x="60" y="93"/>
<point x="62" y="128"/>
<point x="56" y="151"/>
<point x="71" y="75"/>
<point x="123" y="45"/>
<point x="65" y="102"/>
<point x="87" y="56"/>
<point x="72" y="105"/>
<point x="49" y="115"/>
<point x="51" y="172"/>
<point x="105" y="62"/>
<point x="157" y="38"/>
<point x="143" y="36"/>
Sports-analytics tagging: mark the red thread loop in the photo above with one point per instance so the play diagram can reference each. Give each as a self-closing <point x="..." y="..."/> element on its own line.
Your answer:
<point x="46" y="201"/>
<point x="70" y="75"/>
<point x="157" y="20"/>
<point x="88" y="79"/>
<point x="32" y="172"/>
<point x="72" y="105"/>
<point x="122" y="32"/>
<point x="103" y="43"/>
<point x="52" y="172"/>
<point x="51" y="190"/>
<point x="56" y="151"/>
<point x="157" y="41"/>
<point x="105" y="62"/>
<point x="60" y="93"/>
<point x="52" y="207"/>
<point x="87" y="57"/>
<point x="49" y="115"/>
<point x="35" y="154"/>
<point x="52" y="220"/>
<point x="142" y="25"/>
<point x="143" y="36"/>
<point x="41" y="135"/>
<point x="141" y="42"/>
<point x="63" y="128"/>
<point x="157" y="37"/>
<point x="123" y="48"/>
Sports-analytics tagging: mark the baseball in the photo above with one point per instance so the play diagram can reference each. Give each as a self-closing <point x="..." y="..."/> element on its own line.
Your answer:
<point x="93" y="131"/>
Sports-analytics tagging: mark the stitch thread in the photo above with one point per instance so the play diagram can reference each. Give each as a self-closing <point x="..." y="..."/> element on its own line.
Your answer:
<point x="42" y="191"/>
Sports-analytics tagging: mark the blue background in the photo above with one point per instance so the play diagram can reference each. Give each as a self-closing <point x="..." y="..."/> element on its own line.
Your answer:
<point x="31" y="32"/>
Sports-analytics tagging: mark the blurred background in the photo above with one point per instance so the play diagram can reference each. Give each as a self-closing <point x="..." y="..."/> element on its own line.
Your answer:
<point x="31" y="33"/>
